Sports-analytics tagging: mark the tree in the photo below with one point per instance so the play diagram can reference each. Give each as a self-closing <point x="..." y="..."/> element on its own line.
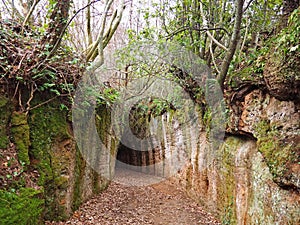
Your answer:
<point x="233" y="42"/>
<point x="105" y="33"/>
<point x="288" y="7"/>
<point x="29" y="7"/>
<point x="226" y="34"/>
<point x="58" y="20"/>
<point x="39" y="56"/>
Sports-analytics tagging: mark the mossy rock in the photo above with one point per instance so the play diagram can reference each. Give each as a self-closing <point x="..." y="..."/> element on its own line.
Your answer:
<point x="3" y="101"/>
<point x="5" y="111"/>
<point x="226" y="188"/>
<point x="20" y="133"/>
<point x="79" y="173"/>
<point x="22" y="208"/>
<point x="48" y="127"/>
<point x="277" y="154"/>
<point x="283" y="77"/>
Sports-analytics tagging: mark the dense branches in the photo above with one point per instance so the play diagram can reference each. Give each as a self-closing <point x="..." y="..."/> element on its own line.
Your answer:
<point x="36" y="55"/>
<point x="225" y="34"/>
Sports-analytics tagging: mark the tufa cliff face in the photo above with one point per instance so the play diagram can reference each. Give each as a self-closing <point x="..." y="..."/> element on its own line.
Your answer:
<point x="243" y="179"/>
<point x="39" y="158"/>
<point x="253" y="176"/>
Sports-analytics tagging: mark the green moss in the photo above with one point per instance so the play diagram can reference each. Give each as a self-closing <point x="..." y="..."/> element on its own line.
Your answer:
<point x="23" y="208"/>
<point x="103" y="122"/>
<point x="3" y="101"/>
<point x="3" y="139"/>
<point x="226" y="188"/>
<point x="114" y="147"/>
<point x="48" y="126"/>
<point x="252" y="73"/>
<point x="276" y="153"/>
<point x="20" y="134"/>
<point x="79" y="172"/>
<point x="18" y="118"/>
<point x="5" y="111"/>
<point x="61" y="182"/>
<point x="207" y="116"/>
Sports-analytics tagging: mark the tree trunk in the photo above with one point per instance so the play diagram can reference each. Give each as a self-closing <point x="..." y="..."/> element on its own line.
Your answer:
<point x="233" y="43"/>
<point x="58" y="21"/>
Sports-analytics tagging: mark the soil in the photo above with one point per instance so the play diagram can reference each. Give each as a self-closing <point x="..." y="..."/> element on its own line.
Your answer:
<point x="130" y="200"/>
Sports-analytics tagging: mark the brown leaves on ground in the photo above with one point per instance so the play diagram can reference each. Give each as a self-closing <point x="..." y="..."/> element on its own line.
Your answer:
<point x="13" y="174"/>
<point x="160" y="203"/>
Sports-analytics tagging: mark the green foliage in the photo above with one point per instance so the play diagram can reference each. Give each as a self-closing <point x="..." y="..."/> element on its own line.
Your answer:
<point x="23" y="208"/>
<point x="160" y="106"/>
<point x="97" y="96"/>
<point x="287" y="42"/>
<point x="107" y="97"/>
<point x="26" y="64"/>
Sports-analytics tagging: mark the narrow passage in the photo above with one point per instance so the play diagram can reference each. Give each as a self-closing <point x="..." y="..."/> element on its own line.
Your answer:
<point x="160" y="203"/>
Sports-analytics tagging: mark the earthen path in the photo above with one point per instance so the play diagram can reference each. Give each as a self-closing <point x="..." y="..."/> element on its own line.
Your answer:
<point x="159" y="203"/>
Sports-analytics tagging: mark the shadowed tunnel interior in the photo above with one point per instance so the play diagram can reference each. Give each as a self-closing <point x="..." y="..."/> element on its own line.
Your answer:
<point x="138" y="147"/>
<point x="138" y="158"/>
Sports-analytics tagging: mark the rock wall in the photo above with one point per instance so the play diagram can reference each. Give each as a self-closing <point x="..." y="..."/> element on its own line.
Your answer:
<point x="48" y="160"/>
<point x="250" y="180"/>
<point x="252" y="177"/>
<point x="239" y="187"/>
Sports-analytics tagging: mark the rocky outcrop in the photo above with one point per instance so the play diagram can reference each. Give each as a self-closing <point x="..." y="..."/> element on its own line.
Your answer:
<point x="275" y="125"/>
<point x="47" y="160"/>
<point x="252" y="177"/>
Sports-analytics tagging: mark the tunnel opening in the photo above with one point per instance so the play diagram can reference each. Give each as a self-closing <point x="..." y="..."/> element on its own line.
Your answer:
<point x="141" y="147"/>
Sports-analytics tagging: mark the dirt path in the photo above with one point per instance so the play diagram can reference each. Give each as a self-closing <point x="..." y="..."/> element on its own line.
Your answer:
<point x="160" y="203"/>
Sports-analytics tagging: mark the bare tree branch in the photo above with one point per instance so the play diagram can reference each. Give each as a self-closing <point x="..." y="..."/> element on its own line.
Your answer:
<point x="104" y="36"/>
<point x="99" y="40"/>
<point x="195" y="29"/>
<point x="55" y="47"/>
<point x="248" y="5"/>
<point x="205" y="23"/>
<point x="30" y="12"/>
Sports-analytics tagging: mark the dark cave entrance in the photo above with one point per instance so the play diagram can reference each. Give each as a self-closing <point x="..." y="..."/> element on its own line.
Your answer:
<point x="139" y="150"/>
